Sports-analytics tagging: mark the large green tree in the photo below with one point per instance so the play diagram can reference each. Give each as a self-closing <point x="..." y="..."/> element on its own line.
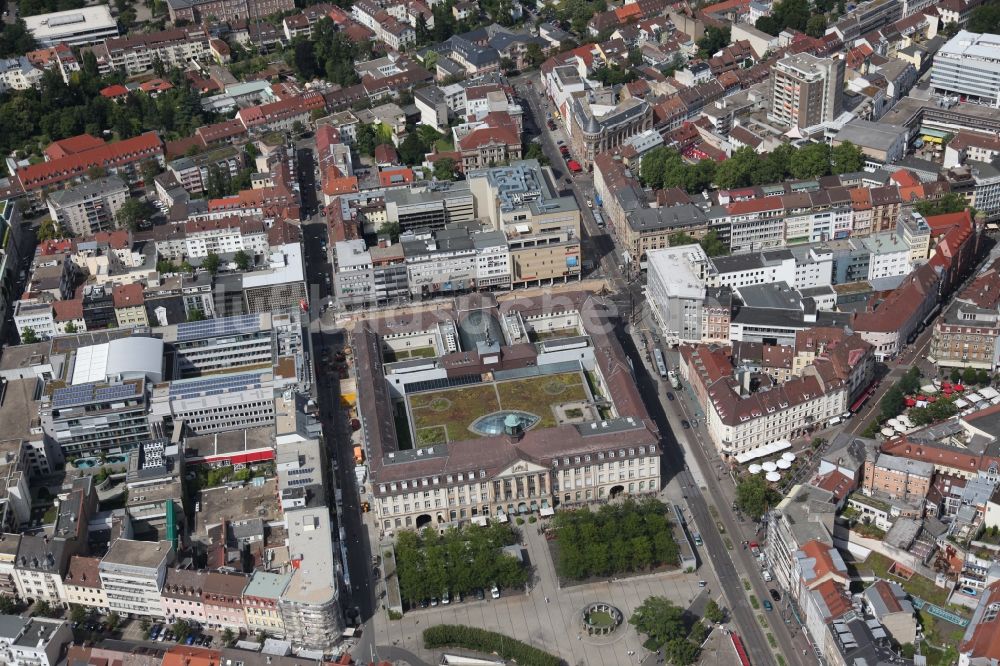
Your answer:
<point x="738" y="170"/>
<point x="952" y="202"/>
<point x="211" y="263"/>
<point x="660" y="619"/>
<point x="714" y="40"/>
<point x="15" y="40"/>
<point x="444" y="169"/>
<point x="816" y="26"/>
<point x="712" y="611"/>
<point x="793" y="14"/>
<point x="681" y="652"/>
<point x="754" y="496"/>
<point x="810" y="161"/>
<point x="985" y="18"/>
<point x="664" y="167"/>
<point x="846" y="158"/>
<point x="133" y="214"/>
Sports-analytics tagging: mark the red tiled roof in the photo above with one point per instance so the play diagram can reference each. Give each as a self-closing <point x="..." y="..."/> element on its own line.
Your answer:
<point x="823" y="561"/>
<point x="984" y="291"/>
<point x="180" y="655"/>
<point x="837" y="483"/>
<point x="861" y="199"/>
<point x="68" y="310"/>
<point x="626" y="12"/>
<point x="155" y="85"/>
<point x="386" y="153"/>
<point x="898" y="307"/>
<point x="930" y="452"/>
<point x="386" y="176"/>
<point x="486" y="136"/>
<point x="905" y="178"/>
<point x="342" y="185"/>
<point x="116" y="90"/>
<point x="128" y="295"/>
<point x="835" y="598"/>
<point x="754" y="206"/>
<point x="118" y="240"/>
<point x="221" y="131"/>
<point x="884" y="590"/>
<point x="71" y="166"/>
<point x="72" y="145"/>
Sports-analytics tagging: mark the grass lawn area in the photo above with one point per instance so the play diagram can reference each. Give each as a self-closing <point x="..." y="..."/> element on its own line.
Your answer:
<point x="50" y="515"/>
<point x="539" y="336"/>
<point x="444" y="145"/>
<point x="938" y="631"/>
<point x="917" y="586"/>
<point x="937" y="657"/>
<point x="536" y="395"/>
<point x="404" y="354"/>
<point x="440" y="416"/>
<point x="445" y="416"/>
<point x="601" y="619"/>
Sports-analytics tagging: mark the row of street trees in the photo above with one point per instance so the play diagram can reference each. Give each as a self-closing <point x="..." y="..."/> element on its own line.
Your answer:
<point x="664" y="167"/>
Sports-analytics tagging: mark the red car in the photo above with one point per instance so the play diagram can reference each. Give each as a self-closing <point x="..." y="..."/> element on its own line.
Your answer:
<point x="574" y="166"/>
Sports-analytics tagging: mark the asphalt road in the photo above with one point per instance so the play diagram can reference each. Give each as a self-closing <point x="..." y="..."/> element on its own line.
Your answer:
<point x="714" y="551"/>
<point x="596" y="244"/>
<point x="629" y="298"/>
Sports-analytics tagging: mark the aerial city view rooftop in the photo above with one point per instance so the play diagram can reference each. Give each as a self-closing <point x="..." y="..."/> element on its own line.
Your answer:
<point x="565" y="332"/>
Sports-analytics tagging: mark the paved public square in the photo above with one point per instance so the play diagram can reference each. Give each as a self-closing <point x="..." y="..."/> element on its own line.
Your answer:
<point x="554" y="625"/>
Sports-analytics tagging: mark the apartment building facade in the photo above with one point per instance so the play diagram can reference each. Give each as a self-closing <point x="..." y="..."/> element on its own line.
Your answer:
<point x="88" y="208"/>
<point x="966" y="334"/>
<point x="82" y="583"/>
<point x="261" y="602"/>
<point x="132" y="574"/>
<point x="139" y="53"/>
<point x="806" y="90"/>
<point x="223" y="598"/>
<point x="899" y="478"/>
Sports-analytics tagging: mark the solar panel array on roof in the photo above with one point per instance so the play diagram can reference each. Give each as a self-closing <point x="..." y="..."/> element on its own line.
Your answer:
<point x="443" y="383"/>
<point x="115" y="392"/>
<point x="92" y="392"/>
<point x="196" y="330"/>
<point x="189" y="388"/>
<point x="72" y="395"/>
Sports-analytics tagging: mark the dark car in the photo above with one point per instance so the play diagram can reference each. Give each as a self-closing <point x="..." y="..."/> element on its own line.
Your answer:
<point x="480" y="594"/>
<point x="670" y="396"/>
<point x="685" y="424"/>
<point x="424" y="603"/>
<point x="768" y="606"/>
<point x="776" y="595"/>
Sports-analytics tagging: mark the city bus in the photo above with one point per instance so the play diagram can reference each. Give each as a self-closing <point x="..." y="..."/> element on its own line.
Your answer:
<point x="661" y="367"/>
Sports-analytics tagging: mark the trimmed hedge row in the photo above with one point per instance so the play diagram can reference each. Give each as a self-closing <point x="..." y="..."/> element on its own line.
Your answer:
<point x="480" y="640"/>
